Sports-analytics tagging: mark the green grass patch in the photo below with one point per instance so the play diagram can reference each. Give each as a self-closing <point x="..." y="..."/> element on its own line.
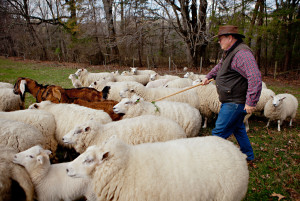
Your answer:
<point x="276" y="168"/>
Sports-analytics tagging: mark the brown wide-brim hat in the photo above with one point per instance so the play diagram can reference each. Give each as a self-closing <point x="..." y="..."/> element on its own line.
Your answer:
<point x="229" y="30"/>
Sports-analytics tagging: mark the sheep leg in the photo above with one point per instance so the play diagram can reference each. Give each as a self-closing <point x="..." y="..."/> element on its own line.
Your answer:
<point x="291" y="121"/>
<point x="278" y="125"/>
<point x="268" y="123"/>
<point x="205" y="122"/>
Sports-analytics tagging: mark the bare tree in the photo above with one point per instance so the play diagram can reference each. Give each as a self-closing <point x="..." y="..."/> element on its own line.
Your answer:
<point x="189" y="21"/>
<point x="113" y="49"/>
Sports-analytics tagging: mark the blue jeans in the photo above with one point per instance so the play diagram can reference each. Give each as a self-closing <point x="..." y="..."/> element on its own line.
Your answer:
<point x="230" y="121"/>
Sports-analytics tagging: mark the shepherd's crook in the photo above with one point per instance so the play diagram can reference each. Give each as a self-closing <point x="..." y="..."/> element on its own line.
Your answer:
<point x="181" y="91"/>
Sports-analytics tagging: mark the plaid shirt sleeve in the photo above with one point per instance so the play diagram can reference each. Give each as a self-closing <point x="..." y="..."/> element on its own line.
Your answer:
<point x="214" y="71"/>
<point x="244" y="63"/>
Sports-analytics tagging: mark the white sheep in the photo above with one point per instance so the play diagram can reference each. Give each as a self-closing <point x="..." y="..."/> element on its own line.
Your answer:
<point x="264" y="85"/>
<point x="209" y="101"/>
<point x="265" y="96"/>
<point x="41" y="120"/>
<point x="12" y="172"/>
<point x="186" y="116"/>
<point x="6" y="85"/>
<point x="129" y="76"/>
<point x="136" y="130"/>
<point x="156" y="76"/>
<point x="152" y="94"/>
<point x="75" y="82"/>
<point x="112" y="89"/>
<point x="281" y="107"/>
<point x="135" y="71"/>
<point x="9" y="101"/>
<point x="179" y="83"/>
<point x="67" y="116"/>
<point x="193" y="169"/>
<point x="194" y="76"/>
<point x="157" y="83"/>
<point x="20" y="136"/>
<point x="99" y="84"/>
<point x="50" y="180"/>
<point x="86" y="78"/>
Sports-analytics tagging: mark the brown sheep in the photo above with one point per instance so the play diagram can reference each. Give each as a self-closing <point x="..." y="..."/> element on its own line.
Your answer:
<point x="57" y="94"/>
<point x="64" y="95"/>
<point x="106" y="106"/>
<point x="23" y="85"/>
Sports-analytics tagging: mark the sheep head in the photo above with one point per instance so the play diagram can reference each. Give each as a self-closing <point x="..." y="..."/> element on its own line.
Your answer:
<point x="277" y="101"/>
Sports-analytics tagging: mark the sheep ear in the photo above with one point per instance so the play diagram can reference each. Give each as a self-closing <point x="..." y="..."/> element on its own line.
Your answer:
<point x="57" y="94"/>
<point x="272" y="96"/>
<point x="39" y="159"/>
<point x="22" y="86"/>
<point x="282" y="98"/>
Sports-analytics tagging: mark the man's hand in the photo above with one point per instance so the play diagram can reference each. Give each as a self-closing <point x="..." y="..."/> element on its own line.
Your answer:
<point x="205" y="81"/>
<point x="249" y="109"/>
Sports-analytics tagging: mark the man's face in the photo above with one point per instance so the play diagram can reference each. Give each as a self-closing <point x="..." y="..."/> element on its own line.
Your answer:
<point x="225" y="42"/>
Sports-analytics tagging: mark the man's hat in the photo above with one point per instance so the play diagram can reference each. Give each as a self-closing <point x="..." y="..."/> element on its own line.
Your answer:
<point x="229" y="30"/>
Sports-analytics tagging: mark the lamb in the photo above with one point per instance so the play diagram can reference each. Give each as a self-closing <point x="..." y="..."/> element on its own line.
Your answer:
<point x="179" y="83"/>
<point x="186" y="116"/>
<point x="75" y="82"/>
<point x="281" y="107"/>
<point x="68" y="115"/>
<point x="152" y="94"/>
<point x="20" y="136"/>
<point x="136" y="130"/>
<point x="50" y="180"/>
<point x="194" y="76"/>
<point x="202" y="168"/>
<point x="156" y="76"/>
<point x="6" y="85"/>
<point x="41" y="120"/>
<point x="86" y="78"/>
<point x="135" y="71"/>
<point x="10" y="172"/>
<point x="157" y="83"/>
<point x="9" y="101"/>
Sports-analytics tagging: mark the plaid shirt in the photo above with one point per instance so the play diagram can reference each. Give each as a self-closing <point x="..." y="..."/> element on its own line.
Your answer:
<point x="244" y="63"/>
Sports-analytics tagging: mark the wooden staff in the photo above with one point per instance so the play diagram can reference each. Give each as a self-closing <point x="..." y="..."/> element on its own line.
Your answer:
<point x="200" y="84"/>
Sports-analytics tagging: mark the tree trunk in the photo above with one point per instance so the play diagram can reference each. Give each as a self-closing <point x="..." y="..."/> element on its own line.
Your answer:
<point x="255" y="11"/>
<point x="259" y="37"/>
<point x="112" y="42"/>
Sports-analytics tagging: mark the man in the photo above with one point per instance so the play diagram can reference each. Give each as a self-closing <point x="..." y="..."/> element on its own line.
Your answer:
<point x="239" y="84"/>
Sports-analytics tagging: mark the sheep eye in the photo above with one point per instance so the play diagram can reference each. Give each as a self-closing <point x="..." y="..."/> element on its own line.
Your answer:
<point x="30" y="156"/>
<point x="88" y="160"/>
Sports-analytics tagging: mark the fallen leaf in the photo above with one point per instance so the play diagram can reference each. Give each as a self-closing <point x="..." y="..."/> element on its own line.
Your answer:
<point x="278" y="195"/>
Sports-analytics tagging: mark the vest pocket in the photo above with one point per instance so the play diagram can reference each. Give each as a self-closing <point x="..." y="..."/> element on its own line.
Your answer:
<point x="224" y="93"/>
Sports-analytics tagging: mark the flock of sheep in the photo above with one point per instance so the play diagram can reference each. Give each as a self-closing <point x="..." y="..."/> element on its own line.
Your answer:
<point x="131" y="146"/>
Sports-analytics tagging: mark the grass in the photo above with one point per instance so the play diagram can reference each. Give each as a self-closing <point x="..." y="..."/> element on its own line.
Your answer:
<point x="276" y="169"/>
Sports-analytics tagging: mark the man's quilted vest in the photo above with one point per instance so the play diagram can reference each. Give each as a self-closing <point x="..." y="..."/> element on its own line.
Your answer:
<point x="231" y="85"/>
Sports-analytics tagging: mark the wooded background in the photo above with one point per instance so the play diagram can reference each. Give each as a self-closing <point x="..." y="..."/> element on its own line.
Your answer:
<point x="149" y="33"/>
